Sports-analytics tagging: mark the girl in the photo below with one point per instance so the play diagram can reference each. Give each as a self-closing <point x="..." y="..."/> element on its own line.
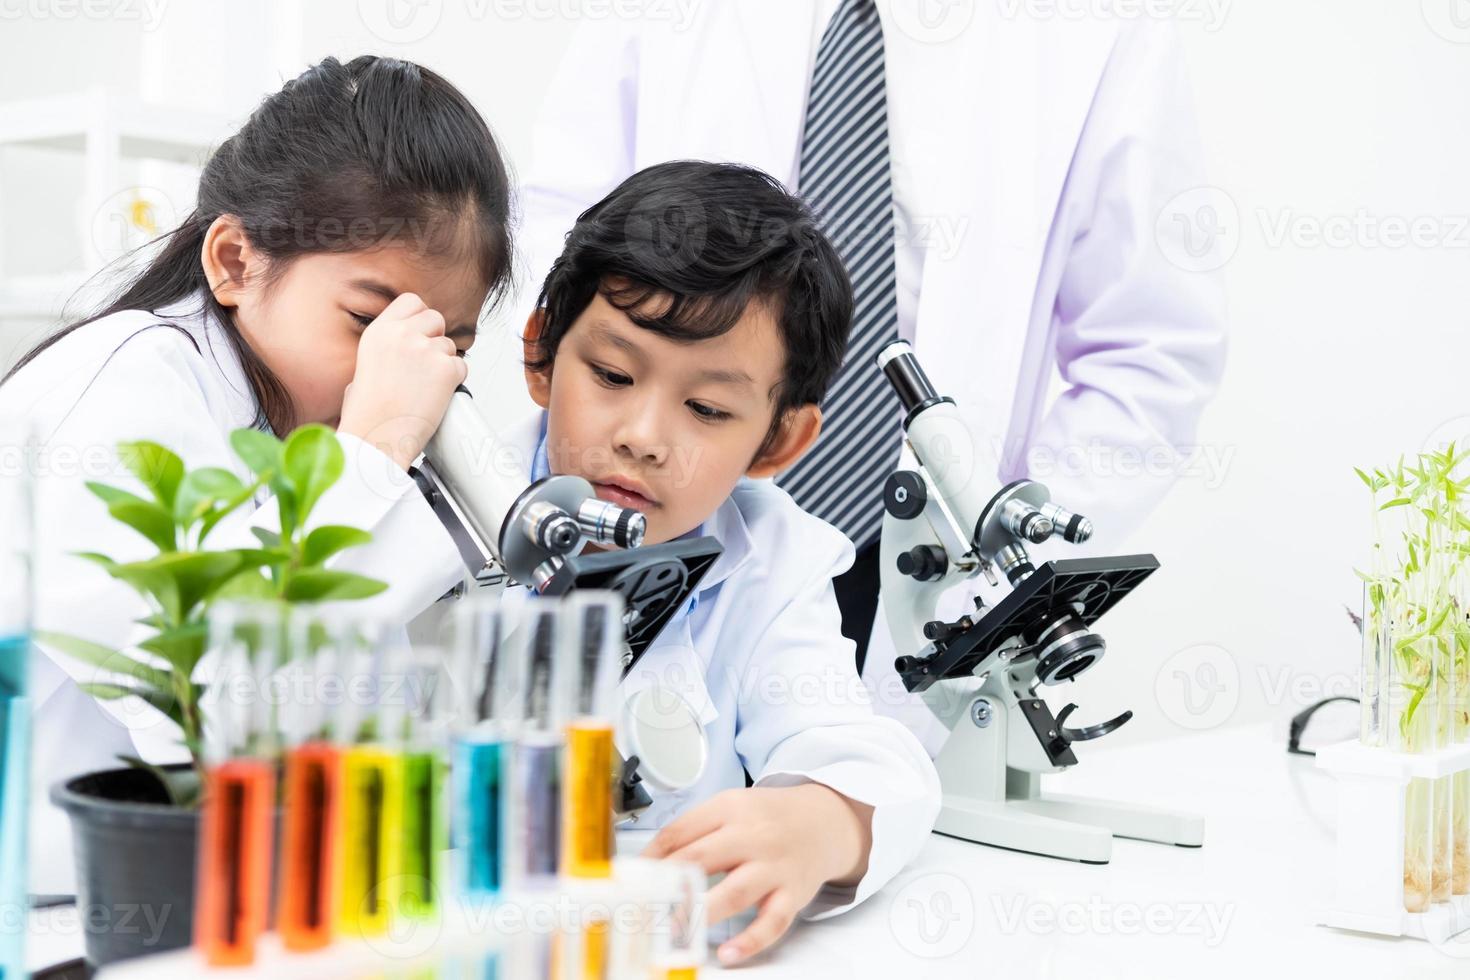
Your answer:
<point x="344" y="244"/>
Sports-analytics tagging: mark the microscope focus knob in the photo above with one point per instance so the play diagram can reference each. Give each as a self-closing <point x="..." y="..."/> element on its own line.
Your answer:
<point x="925" y="562"/>
<point x="904" y="495"/>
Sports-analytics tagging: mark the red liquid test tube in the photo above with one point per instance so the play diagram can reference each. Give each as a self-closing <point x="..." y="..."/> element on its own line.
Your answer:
<point x="308" y="854"/>
<point x="234" y="860"/>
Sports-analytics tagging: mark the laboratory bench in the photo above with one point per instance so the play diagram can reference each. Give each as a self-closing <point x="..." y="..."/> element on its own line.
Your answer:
<point x="1243" y="903"/>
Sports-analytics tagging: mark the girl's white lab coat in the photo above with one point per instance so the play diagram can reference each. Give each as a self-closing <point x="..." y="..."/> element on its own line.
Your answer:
<point x="1036" y="162"/>
<point x="131" y="377"/>
<point x="760" y="655"/>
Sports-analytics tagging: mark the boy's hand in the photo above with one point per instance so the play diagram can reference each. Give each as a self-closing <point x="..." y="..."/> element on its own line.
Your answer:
<point x="777" y="845"/>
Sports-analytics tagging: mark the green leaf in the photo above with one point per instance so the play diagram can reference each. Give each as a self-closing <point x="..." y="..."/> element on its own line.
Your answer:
<point x="313" y="461"/>
<point x="146" y="579"/>
<point x="182" y="647"/>
<point x="177" y="581"/>
<point x="165" y="703"/>
<point x="246" y="584"/>
<point x="148" y="519"/>
<point x="1367" y="480"/>
<point x="201" y="489"/>
<point x="264" y="454"/>
<point x="261" y="451"/>
<point x="197" y="573"/>
<point x="1397" y="502"/>
<point x="113" y="495"/>
<point x="225" y="509"/>
<point x="159" y="468"/>
<point x="268" y="538"/>
<point x="323" y="585"/>
<point x="327" y="540"/>
<point x="106" y="658"/>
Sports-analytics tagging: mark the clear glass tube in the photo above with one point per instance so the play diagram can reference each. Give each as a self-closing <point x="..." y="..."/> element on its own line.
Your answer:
<point x="592" y="640"/>
<point x="237" y="814"/>
<point x="16" y="545"/>
<point x="533" y="796"/>
<point x="484" y="675"/>
<point x="370" y="857"/>
<point x="306" y="901"/>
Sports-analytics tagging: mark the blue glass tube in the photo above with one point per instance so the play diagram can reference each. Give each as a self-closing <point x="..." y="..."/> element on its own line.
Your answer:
<point x="15" y="723"/>
<point x="479" y="770"/>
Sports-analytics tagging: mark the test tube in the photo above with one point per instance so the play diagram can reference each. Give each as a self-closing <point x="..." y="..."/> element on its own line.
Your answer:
<point x="425" y="822"/>
<point x="372" y="792"/>
<point x="533" y="809"/>
<point x="591" y="634"/>
<point x="486" y="683"/>
<point x="236" y="819"/>
<point x="16" y="536"/>
<point x="313" y="790"/>
<point x="663" y="932"/>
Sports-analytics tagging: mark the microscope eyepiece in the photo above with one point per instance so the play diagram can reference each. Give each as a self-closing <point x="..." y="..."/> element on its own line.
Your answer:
<point x="607" y="523"/>
<point x="907" y="377"/>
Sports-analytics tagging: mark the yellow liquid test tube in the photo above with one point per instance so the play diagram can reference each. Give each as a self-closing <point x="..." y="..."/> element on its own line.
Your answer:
<point x="372" y="838"/>
<point x="587" y="833"/>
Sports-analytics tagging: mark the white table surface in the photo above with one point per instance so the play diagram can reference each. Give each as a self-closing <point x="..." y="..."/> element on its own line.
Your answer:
<point x="1240" y="906"/>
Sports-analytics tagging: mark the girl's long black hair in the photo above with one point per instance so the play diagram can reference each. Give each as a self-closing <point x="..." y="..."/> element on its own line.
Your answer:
<point x="344" y="157"/>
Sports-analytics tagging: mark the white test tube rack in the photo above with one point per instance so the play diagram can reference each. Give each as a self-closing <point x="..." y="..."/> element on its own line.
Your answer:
<point x="1368" y="895"/>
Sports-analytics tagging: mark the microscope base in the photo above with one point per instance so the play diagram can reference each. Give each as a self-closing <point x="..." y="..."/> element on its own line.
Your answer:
<point x="1068" y="827"/>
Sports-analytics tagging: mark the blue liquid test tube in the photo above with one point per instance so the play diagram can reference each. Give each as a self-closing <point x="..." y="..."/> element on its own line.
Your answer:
<point x="15" y="724"/>
<point x="485" y="671"/>
<point x="479" y="766"/>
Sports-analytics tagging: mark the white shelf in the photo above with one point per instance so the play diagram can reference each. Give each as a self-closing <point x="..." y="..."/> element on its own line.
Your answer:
<point x="144" y="131"/>
<point x="105" y="129"/>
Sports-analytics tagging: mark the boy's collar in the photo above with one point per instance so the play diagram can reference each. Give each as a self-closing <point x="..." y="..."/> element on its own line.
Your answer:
<point x="726" y="525"/>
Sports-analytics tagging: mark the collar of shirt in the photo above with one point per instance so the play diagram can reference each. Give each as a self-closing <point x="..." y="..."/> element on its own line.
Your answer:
<point x="726" y="525"/>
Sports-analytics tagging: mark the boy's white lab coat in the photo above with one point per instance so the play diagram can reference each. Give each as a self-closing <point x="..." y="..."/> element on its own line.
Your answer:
<point x="130" y="377"/>
<point x="761" y="657"/>
<point x="761" y="654"/>
<point x="1037" y="163"/>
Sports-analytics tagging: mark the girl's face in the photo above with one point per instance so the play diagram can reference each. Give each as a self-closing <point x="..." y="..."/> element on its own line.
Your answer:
<point x="305" y="324"/>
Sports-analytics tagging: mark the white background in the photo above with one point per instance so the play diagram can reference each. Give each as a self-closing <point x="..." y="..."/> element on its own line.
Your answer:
<point x="1326" y="122"/>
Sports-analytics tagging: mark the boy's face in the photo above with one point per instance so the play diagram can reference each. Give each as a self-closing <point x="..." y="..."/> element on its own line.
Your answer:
<point x="662" y="426"/>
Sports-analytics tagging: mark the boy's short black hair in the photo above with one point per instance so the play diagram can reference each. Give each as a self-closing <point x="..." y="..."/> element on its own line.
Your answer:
<point x="707" y="239"/>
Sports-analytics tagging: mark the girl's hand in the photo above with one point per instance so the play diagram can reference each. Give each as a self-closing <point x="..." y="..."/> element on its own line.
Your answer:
<point x="406" y="372"/>
<point x="777" y="845"/>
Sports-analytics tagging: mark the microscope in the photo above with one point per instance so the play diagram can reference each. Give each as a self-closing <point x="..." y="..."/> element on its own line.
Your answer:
<point x="510" y="533"/>
<point x="981" y="674"/>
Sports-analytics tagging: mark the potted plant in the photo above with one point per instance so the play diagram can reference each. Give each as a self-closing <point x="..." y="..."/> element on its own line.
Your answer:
<point x="135" y="828"/>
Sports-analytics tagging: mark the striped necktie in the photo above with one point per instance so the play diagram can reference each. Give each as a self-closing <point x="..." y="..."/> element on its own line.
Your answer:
<point x="845" y="180"/>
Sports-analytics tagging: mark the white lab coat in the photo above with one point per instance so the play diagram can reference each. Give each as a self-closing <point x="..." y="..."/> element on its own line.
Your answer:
<point x="1038" y="155"/>
<point x="129" y="377"/>
<point x="762" y="660"/>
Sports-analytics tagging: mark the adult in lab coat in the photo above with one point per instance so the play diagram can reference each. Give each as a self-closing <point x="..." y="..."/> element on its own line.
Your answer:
<point x="1032" y="159"/>
<point x="173" y="378"/>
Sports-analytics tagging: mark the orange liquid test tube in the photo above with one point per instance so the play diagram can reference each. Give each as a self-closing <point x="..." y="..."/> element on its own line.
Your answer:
<point x="234" y="861"/>
<point x="308" y="853"/>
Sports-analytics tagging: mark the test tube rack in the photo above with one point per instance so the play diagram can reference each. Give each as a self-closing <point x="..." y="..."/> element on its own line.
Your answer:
<point x="1368" y="896"/>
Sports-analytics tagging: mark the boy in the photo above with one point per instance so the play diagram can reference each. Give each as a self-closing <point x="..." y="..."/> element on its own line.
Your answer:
<point x="680" y="349"/>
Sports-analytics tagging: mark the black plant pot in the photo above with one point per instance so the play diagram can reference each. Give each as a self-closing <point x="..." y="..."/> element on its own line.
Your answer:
<point x="135" y="863"/>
